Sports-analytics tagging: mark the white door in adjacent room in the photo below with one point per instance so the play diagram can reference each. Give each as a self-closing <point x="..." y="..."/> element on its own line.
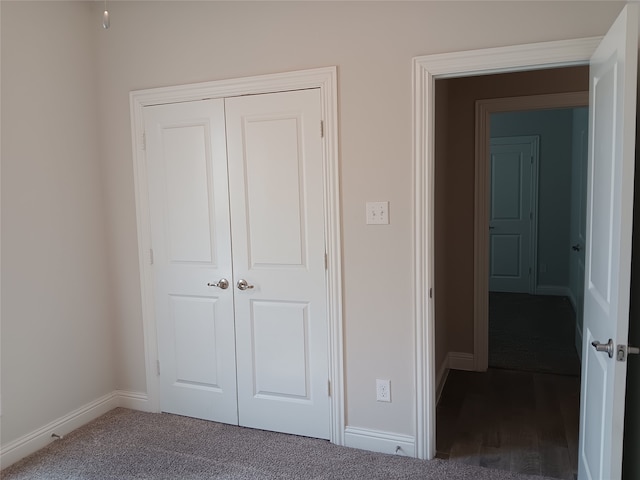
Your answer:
<point x="513" y="193"/>
<point x="277" y="222"/>
<point x="612" y="118"/>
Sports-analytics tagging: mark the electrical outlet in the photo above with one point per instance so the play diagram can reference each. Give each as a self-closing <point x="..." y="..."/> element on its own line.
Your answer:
<point x="383" y="390"/>
<point x="377" y="213"/>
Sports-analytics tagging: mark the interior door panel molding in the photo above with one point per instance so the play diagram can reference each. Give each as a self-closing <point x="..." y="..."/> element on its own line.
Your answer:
<point x="326" y="80"/>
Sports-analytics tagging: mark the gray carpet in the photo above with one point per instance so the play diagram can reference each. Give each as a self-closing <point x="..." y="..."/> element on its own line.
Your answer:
<point x="533" y="333"/>
<point x="126" y="444"/>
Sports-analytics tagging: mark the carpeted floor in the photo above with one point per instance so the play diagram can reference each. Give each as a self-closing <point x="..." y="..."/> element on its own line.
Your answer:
<point x="533" y="333"/>
<point x="126" y="444"/>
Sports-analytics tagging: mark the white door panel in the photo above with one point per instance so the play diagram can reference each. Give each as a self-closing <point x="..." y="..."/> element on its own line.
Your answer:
<point x="188" y="198"/>
<point x="272" y="170"/>
<point x="276" y="199"/>
<point x="513" y="164"/>
<point x="281" y="346"/>
<point x="612" y="102"/>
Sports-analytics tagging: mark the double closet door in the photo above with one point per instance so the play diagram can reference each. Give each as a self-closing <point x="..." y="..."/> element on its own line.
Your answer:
<point x="237" y="233"/>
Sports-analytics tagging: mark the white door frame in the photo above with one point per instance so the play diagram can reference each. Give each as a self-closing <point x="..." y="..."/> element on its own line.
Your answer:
<point x="326" y="80"/>
<point x="484" y="109"/>
<point x="425" y="71"/>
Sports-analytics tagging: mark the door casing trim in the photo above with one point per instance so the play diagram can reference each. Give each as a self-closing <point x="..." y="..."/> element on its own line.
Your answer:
<point x="426" y="69"/>
<point x="326" y="80"/>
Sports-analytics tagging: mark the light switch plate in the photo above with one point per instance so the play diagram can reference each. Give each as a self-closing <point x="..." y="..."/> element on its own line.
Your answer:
<point x="377" y="213"/>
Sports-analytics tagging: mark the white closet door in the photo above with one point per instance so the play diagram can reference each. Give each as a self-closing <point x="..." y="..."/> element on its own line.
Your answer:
<point x="188" y="197"/>
<point x="276" y="197"/>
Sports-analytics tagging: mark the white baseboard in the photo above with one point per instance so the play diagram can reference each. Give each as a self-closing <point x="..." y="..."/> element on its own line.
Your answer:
<point x="462" y="361"/>
<point x="555" y="290"/>
<point x="34" y="441"/>
<point x="133" y="400"/>
<point x="41" y="437"/>
<point x="377" y="441"/>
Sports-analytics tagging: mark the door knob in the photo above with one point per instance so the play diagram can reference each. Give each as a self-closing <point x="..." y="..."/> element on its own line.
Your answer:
<point x="604" y="347"/>
<point x="223" y="283"/>
<point x="576" y="247"/>
<point x="243" y="285"/>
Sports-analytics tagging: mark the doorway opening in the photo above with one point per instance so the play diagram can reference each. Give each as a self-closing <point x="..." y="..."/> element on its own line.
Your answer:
<point x="612" y="63"/>
<point x="503" y="407"/>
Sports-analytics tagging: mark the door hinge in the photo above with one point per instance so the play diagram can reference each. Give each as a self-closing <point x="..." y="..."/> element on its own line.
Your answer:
<point x="430" y="292"/>
<point x="151" y="256"/>
<point x="326" y="261"/>
<point x="158" y="366"/>
<point x="144" y="141"/>
<point x="329" y="387"/>
<point x="321" y="129"/>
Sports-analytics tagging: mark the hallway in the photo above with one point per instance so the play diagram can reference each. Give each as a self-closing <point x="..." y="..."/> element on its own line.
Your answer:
<point x="522" y="414"/>
<point x="523" y="422"/>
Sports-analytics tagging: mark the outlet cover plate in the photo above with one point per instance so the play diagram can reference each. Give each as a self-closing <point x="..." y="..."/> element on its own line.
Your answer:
<point x="383" y="390"/>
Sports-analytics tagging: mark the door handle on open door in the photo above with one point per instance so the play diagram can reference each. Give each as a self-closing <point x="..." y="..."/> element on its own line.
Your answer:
<point x="576" y="247"/>
<point x="223" y="283"/>
<point x="604" y="347"/>
<point x="243" y="285"/>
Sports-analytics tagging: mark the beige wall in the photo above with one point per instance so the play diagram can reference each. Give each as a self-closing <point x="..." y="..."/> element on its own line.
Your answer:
<point x="154" y="44"/>
<point x="454" y="270"/>
<point x="57" y="335"/>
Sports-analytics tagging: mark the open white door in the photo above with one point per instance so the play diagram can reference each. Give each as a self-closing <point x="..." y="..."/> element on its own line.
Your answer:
<point x="612" y="103"/>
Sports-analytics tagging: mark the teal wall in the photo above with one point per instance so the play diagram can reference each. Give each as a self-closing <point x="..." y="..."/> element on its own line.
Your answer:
<point x="554" y="185"/>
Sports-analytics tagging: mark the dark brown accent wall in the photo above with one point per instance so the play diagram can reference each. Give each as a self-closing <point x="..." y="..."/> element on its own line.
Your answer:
<point x="454" y="189"/>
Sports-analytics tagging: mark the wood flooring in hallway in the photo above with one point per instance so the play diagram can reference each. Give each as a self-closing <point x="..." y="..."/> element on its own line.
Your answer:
<point x="524" y="422"/>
